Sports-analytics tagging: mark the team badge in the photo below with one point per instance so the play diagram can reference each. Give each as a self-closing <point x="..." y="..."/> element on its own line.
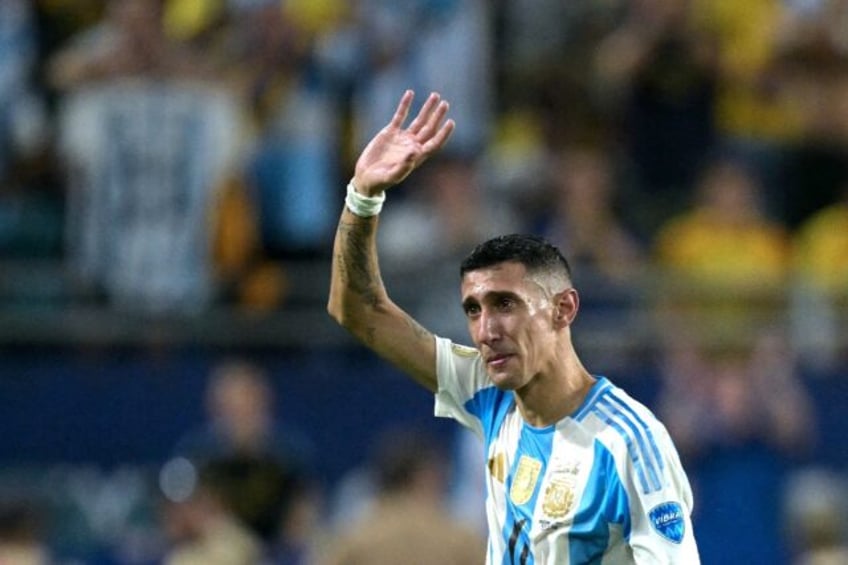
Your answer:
<point x="559" y="494"/>
<point x="559" y="497"/>
<point x="667" y="520"/>
<point x="524" y="481"/>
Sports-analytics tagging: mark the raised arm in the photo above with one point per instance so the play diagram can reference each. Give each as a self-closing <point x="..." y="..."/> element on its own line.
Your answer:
<point x="358" y="298"/>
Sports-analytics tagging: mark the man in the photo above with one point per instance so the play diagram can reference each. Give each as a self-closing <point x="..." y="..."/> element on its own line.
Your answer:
<point x="578" y="472"/>
<point x="408" y="521"/>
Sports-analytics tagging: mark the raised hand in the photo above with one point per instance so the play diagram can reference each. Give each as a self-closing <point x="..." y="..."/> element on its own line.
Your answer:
<point x="395" y="152"/>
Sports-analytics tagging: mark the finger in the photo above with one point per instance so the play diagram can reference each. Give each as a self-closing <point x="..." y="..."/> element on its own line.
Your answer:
<point x="434" y="119"/>
<point x="441" y="137"/>
<point x="402" y="110"/>
<point x="424" y="114"/>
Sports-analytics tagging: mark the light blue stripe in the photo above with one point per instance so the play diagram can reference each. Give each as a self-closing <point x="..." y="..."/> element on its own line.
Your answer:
<point x="604" y="501"/>
<point x="638" y="434"/>
<point x="600" y="387"/>
<point x="647" y="429"/>
<point x="631" y="449"/>
<point x="490" y="405"/>
<point x="521" y="541"/>
<point x="536" y="444"/>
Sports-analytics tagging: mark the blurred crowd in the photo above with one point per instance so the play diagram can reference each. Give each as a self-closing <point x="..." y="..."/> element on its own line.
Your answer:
<point x="176" y="154"/>
<point x="689" y="156"/>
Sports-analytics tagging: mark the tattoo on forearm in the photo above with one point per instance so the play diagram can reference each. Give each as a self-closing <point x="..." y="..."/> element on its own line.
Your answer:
<point x="357" y="265"/>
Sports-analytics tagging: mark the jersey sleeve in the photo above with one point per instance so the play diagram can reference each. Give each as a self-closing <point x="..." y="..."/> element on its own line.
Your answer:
<point x="461" y="376"/>
<point x="661" y="523"/>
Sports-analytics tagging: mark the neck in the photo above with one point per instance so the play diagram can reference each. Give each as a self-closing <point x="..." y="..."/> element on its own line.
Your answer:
<point x="551" y="396"/>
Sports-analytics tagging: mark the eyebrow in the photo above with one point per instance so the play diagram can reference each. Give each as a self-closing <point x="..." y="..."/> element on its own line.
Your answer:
<point x="492" y="296"/>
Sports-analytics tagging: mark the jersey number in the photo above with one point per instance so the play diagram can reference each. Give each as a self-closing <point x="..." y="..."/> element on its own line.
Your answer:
<point x="513" y="542"/>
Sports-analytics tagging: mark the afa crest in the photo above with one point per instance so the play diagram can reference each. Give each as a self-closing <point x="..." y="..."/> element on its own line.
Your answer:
<point x="559" y="497"/>
<point x="559" y="494"/>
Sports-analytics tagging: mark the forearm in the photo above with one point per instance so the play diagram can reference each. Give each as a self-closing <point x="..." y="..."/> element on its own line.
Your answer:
<point x="359" y="303"/>
<point x="356" y="287"/>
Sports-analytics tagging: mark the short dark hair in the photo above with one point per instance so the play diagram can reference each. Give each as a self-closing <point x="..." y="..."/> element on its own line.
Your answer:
<point x="534" y="252"/>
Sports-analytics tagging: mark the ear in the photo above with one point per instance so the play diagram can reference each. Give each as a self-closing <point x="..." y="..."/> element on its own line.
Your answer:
<point x="566" y="304"/>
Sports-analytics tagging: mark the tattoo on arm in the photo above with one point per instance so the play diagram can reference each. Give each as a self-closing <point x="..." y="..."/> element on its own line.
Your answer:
<point x="369" y="313"/>
<point x="357" y="265"/>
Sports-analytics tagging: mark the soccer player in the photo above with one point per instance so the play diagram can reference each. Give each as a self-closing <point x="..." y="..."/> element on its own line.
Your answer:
<point x="577" y="472"/>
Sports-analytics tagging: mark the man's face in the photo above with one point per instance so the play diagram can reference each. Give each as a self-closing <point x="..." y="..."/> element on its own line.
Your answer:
<point x="511" y="321"/>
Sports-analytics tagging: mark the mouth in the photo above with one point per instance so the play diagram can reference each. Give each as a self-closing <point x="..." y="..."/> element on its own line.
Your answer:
<point x="498" y="360"/>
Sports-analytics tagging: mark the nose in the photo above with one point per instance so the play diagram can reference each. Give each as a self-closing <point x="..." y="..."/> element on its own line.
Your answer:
<point x="487" y="329"/>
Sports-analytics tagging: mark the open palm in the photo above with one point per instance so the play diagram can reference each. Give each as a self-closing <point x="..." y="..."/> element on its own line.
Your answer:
<point x="395" y="152"/>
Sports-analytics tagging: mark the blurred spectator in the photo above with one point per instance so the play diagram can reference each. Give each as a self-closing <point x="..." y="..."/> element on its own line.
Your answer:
<point x="730" y="394"/>
<point x="203" y="529"/>
<point x="22" y="534"/>
<point x="515" y="168"/>
<point x="812" y="66"/>
<point x="812" y="55"/>
<point x="150" y="154"/>
<point x="289" y="94"/>
<point x="242" y="421"/>
<point x="815" y="514"/>
<point x="129" y="41"/>
<point x="31" y="208"/>
<point x="723" y="264"/>
<point x="820" y="248"/>
<point x="820" y="292"/>
<point x="755" y="116"/>
<point x="748" y="38"/>
<point x="409" y="521"/>
<point x="657" y="74"/>
<point x="426" y="45"/>
<point x="740" y="419"/>
<point x="546" y="96"/>
<point x="59" y="20"/>
<point x="545" y="52"/>
<point x="585" y="222"/>
<point x="30" y="218"/>
<point x="22" y="112"/>
<point x="260" y="467"/>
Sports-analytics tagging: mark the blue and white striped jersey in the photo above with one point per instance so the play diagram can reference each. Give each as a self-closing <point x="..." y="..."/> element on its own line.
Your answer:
<point x="603" y="485"/>
<point x="148" y="158"/>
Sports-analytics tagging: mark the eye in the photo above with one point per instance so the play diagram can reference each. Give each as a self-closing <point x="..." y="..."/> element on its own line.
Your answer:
<point x="506" y="303"/>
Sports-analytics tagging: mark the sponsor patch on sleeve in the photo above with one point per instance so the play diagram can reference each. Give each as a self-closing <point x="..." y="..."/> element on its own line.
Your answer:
<point x="667" y="520"/>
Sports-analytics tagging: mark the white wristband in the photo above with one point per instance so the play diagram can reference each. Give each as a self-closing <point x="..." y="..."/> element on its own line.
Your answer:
<point x="363" y="206"/>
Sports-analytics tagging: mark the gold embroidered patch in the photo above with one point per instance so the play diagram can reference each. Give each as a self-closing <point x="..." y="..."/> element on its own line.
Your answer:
<point x="559" y="496"/>
<point x="497" y="467"/>
<point x="524" y="481"/>
<point x="560" y="492"/>
<point x="463" y="350"/>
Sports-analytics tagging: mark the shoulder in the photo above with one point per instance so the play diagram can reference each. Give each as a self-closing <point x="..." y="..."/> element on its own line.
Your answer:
<point x="622" y="423"/>
<point x="459" y="367"/>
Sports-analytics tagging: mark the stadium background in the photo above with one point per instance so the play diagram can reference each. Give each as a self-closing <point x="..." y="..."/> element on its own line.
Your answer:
<point x="100" y="378"/>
